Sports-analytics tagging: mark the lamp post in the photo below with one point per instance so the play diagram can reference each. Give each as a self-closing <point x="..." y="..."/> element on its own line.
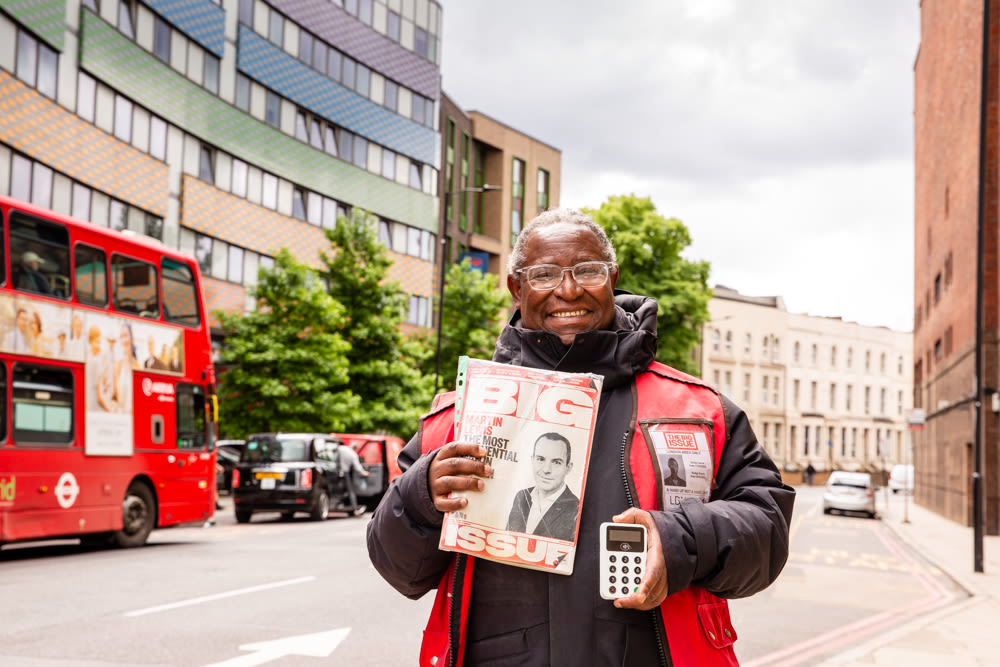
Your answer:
<point x="486" y="187"/>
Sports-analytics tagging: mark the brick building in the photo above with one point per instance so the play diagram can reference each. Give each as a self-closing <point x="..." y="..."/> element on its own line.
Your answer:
<point x="947" y="77"/>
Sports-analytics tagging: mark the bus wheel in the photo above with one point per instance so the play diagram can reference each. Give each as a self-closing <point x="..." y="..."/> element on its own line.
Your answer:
<point x="243" y="516"/>
<point x="322" y="508"/>
<point x="138" y="516"/>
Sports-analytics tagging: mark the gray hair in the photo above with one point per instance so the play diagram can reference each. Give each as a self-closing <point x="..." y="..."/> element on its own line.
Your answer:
<point x="554" y="217"/>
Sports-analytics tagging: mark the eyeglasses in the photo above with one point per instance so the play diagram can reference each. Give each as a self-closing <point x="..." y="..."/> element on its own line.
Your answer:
<point x="544" y="277"/>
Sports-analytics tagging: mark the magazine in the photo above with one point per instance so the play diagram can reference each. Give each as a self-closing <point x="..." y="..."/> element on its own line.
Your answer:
<point x="537" y="427"/>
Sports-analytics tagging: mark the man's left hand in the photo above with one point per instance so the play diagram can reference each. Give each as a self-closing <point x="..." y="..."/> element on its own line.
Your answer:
<point x="653" y="589"/>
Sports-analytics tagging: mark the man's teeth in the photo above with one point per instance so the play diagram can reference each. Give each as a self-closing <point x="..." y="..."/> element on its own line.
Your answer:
<point x="572" y="313"/>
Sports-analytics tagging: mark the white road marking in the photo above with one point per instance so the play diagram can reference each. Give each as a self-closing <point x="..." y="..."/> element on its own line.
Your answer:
<point x="217" y="596"/>
<point x="317" y="645"/>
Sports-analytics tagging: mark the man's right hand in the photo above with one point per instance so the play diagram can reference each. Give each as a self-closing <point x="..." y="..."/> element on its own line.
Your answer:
<point x="458" y="466"/>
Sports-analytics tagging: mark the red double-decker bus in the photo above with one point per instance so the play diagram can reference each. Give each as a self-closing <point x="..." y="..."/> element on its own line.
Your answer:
<point x="107" y="396"/>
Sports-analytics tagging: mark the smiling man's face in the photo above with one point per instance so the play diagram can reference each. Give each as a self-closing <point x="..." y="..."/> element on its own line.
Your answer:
<point x="568" y="309"/>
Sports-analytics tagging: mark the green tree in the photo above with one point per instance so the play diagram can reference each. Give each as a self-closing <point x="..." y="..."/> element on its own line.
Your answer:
<point x="383" y="369"/>
<point x="471" y="323"/>
<point x="649" y="250"/>
<point x="287" y="360"/>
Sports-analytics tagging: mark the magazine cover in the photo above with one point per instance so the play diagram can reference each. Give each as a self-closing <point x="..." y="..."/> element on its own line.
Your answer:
<point x="537" y="427"/>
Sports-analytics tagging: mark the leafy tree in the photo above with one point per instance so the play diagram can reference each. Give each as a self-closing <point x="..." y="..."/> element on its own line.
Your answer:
<point x="471" y="322"/>
<point x="649" y="250"/>
<point x="383" y="369"/>
<point x="288" y="361"/>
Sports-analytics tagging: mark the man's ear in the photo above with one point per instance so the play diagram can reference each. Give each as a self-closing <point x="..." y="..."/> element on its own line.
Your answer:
<point x="514" y="287"/>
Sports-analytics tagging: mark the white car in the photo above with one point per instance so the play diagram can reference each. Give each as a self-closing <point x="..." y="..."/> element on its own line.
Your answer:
<point x="901" y="478"/>
<point x="849" y="492"/>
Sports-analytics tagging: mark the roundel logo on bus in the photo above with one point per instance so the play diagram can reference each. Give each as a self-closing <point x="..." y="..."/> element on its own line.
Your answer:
<point x="164" y="390"/>
<point x="67" y="490"/>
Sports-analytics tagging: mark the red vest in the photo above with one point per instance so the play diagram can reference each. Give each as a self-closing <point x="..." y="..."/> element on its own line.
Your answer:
<point x="697" y="623"/>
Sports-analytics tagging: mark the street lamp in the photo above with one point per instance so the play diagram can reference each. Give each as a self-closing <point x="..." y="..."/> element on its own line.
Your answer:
<point x="486" y="187"/>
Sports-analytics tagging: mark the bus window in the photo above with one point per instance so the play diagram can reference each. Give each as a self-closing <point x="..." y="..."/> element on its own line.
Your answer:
<point x="91" y="275"/>
<point x="133" y="287"/>
<point x="43" y="404"/>
<point x="191" y="426"/>
<point x="180" y="296"/>
<point x="39" y="256"/>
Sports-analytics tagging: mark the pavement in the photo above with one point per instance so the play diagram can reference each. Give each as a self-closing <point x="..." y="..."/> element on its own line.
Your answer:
<point x="963" y="633"/>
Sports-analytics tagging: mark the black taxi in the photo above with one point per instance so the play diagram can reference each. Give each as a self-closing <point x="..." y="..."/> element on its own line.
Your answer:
<point x="288" y="473"/>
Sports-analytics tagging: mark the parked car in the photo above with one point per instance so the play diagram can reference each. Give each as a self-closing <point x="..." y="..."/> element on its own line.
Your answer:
<point x="227" y="453"/>
<point x="378" y="454"/>
<point x="289" y="473"/>
<point x="901" y="478"/>
<point x="849" y="492"/>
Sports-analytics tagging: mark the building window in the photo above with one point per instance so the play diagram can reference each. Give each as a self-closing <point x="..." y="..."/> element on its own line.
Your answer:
<point x="833" y="396"/>
<point x="203" y="253"/>
<point x="235" y="264"/>
<point x="298" y="204"/>
<point x="868" y="400"/>
<point x="205" y="162"/>
<point x="420" y="41"/>
<point x="391" y="95"/>
<point x="86" y="94"/>
<point x="161" y="39"/>
<point x="813" y="355"/>
<point x="847" y="397"/>
<point x="795" y="352"/>
<point x="716" y="338"/>
<point x="239" y="180"/>
<point x="276" y="28"/>
<point x="272" y="113"/>
<point x="795" y="394"/>
<point x="392" y="26"/>
<point x="850" y="356"/>
<point x="747" y="344"/>
<point x="242" y="93"/>
<point x="868" y="361"/>
<point x="517" y="199"/>
<point x="269" y="191"/>
<point x="123" y="118"/>
<point x="543" y="190"/>
<point x="729" y="342"/>
<point x="158" y="138"/>
<point x="833" y="356"/>
<point x="246" y="12"/>
<point x="813" y="391"/>
<point x="388" y="164"/>
<point x="125" y="24"/>
<point x="764" y="391"/>
<point x="211" y="74"/>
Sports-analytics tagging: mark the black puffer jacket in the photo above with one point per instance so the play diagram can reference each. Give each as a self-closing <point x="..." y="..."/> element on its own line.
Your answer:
<point x="520" y="616"/>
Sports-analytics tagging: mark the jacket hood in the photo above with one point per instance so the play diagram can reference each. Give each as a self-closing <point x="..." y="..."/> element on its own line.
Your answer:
<point x="616" y="354"/>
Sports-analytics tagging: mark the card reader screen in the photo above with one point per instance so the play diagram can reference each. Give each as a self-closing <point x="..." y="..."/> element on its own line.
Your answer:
<point x="619" y="535"/>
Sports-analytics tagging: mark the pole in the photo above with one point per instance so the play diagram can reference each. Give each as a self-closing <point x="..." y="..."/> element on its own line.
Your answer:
<point x="906" y="492"/>
<point x="977" y="476"/>
<point x="444" y="267"/>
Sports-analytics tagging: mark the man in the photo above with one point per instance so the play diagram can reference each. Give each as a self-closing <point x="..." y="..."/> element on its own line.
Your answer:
<point x="673" y="479"/>
<point x="31" y="278"/>
<point x="18" y="338"/>
<point x="153" y="362"/>
<point x="731" y="543"/>
<point x="350" y="464"/>
<point x="549" y="507"/>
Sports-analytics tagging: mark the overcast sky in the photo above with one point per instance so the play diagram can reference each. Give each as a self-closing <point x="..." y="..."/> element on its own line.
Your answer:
<point x="780" y="132"/>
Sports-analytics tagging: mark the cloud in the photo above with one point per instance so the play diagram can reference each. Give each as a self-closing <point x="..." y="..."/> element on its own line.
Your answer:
<point x="773" y="129"/>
